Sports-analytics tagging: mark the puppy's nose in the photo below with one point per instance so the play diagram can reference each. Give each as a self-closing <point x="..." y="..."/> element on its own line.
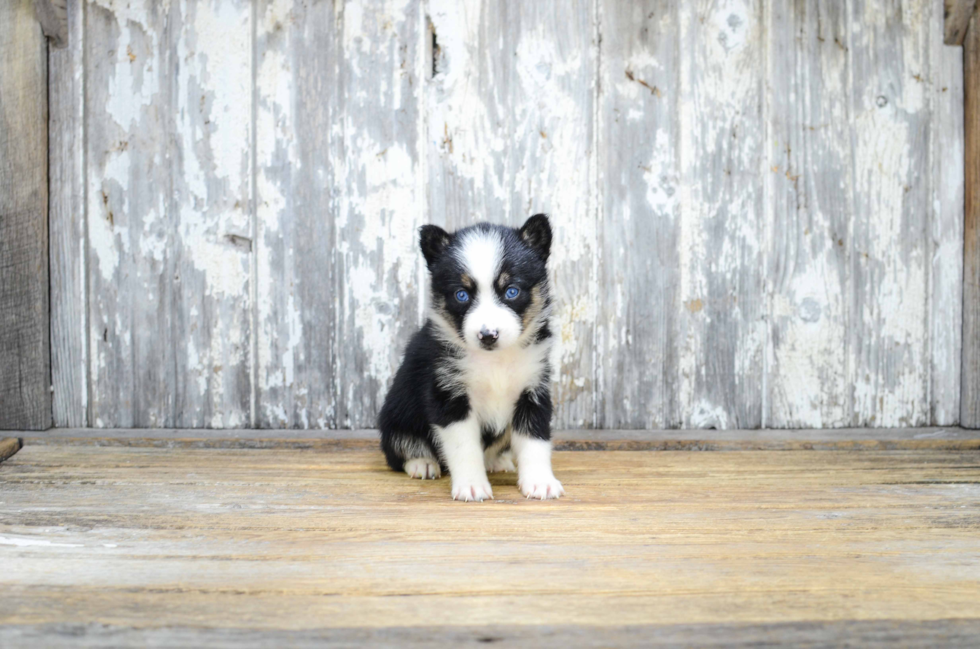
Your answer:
<point x="488" y="337"/>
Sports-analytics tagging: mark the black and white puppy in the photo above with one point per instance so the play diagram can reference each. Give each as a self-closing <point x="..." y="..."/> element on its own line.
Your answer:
<point x="472" y="394"/>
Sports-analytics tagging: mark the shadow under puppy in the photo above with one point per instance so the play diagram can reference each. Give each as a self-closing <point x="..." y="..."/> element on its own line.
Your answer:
<point x="472" y="394"/>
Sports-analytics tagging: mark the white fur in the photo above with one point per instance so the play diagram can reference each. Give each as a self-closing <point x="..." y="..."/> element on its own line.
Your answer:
<point x="462" y="449"/>
<point x="422" y="468"/>
<point x="535" y="478"/>
<point x="495" y="380"/>
<point x="481" y="254"/>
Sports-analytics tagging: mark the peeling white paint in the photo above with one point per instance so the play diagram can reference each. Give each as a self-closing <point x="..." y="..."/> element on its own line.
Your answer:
<point x="503" y="130"/>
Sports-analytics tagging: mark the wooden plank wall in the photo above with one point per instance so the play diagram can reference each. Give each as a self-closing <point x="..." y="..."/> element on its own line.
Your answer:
<point x="25" y="376"/>
<point x="757" y="204"/>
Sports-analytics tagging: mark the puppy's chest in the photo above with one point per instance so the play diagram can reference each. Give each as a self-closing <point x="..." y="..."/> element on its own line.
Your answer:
<point x="494" y="382"/>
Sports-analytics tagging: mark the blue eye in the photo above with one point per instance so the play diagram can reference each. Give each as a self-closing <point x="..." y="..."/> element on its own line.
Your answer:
<point x="462" y="296"/>
<point x="512" y="292"/>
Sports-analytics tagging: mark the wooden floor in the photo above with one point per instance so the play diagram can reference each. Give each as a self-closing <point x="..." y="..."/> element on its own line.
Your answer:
<point x="240" y="547"/>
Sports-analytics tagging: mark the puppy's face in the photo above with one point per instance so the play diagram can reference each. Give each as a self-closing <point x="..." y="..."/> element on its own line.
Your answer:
<point x="489" y="283"/>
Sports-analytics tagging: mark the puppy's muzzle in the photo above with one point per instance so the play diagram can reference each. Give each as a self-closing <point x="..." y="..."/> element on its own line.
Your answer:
<point x="488" y="337"/>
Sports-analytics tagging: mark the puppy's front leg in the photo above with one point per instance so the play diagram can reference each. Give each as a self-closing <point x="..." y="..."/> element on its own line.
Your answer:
<point x="462" y="450"/>
<point x="531" y="442"/>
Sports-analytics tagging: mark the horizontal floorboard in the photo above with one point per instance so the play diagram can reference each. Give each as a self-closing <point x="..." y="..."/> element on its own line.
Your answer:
<point x="130" y="545"/>
<point x="949" y="438"/>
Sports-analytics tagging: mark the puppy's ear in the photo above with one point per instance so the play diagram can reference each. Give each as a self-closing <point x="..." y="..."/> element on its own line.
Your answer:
<point x="536" y="232"/>
<point x="433" y="240"/>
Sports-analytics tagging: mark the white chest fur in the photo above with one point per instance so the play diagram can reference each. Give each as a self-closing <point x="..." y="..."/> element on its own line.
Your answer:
<point x="494" y="380"/>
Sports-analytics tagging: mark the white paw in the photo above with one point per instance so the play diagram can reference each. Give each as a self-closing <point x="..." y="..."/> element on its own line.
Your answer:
<point x="472" y="490"/>
<point x="541" y="486"/>
<point x="502" y="462"/>
<point x="423" y="468"/>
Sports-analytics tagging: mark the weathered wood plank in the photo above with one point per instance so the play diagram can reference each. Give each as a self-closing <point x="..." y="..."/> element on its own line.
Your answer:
<point x="945" y="90"/>
<point x="721" y="327"/>
<point x="836" y="439"/>
<point x="888" y="239"/>
<point x="810" y="178"/>
<point x="378" y="285"/>
<point x="226" y="539"/>
<point x="639" y="190"/>
<point x="66" y="217"/>
<point x="168" y="215"/>
<point x="970" y="405"/>
<point x="510" y="130"/>
<point x="211" y="61"/>
<point x="956" y="20"/>
<point x="131" y="239"/>
<point x="874" y="634"/>
<point x="25" y="372"/>
<point x="299" y="163"/>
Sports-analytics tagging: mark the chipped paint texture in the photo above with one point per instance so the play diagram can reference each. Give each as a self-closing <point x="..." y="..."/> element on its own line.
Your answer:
<point x="757" y="205"/>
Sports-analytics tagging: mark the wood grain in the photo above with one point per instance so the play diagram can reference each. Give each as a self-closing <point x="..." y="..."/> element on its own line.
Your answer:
<point x="67" y="223"/>
<point x="873" y="633"/>
<point x="970" y="406"/>
<point x="639" y="189"/>
<point x="809" y="173"/>
<point x="836" y="439"/>
<point x="211" y="54"/>
<point x="378" y="264"/>
<point x="25" y="357"/>
<point x="888" y="237"/>
<point x="721" y="323"/>
<point x="289" y="540"/>
<point x="299" y="164"/>
<point x="956" y="20"/>
<point x="945" y="269"/>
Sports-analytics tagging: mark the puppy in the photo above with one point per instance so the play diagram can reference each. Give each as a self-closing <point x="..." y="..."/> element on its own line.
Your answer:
<point x="472" y="394"/>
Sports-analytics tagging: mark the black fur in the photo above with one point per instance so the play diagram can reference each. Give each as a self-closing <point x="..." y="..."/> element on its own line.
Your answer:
<point x="419" y="397"/>
<point x="525" y="263"/>
<point x="533" y="413"/>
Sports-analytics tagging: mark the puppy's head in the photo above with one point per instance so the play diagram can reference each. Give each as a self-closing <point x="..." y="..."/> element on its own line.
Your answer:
<point x="489" y="282"/>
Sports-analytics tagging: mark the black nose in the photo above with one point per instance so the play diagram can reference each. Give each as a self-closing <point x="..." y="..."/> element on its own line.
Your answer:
<point x="488" y="337"/>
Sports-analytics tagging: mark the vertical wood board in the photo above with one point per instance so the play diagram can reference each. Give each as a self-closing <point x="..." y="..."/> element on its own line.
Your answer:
<point x="809" y="174"/>
<point x="970" y="405"/>
<point x="66" y="216"/>
<point x="298" y="112"/>
<point x="945" y="90"/>
<point x="888" y="239"/>
<point x="25" y="375"/>
<point x="380" y="210"/>
<point x="639" y="189"/>
<point x="721" y="328"/>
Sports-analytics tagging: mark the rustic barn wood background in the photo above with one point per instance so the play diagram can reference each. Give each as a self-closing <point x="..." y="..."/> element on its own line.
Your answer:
<point x="759" y="204"/>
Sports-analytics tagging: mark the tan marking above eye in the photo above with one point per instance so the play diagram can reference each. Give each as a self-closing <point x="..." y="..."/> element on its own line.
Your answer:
<point x="503" y="280"/>
<point x="468" y="282"/>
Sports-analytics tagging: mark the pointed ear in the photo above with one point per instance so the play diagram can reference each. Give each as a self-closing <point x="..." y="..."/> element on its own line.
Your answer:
<point x="433" y="240"/>
<point x="536" y="232"/>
